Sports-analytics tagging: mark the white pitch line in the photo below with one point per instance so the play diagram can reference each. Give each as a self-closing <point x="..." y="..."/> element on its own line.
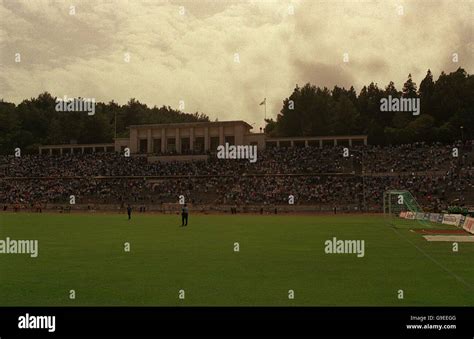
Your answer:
<point x="454" y="275"/>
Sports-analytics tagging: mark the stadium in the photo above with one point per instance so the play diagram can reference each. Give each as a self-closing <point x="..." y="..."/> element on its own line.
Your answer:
<point x="268" y="167"/>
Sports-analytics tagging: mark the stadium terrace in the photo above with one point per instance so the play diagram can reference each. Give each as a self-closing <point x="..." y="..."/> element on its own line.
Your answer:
<point x="318" y="178"/>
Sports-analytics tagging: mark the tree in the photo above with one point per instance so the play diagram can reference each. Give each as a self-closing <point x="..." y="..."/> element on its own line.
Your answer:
<point x="421" y="129"/>
<point x="345" y="116"/>
<point x="425" y="93"/>
<point x="35" y="121"/>
<point x="409" y="88"/>
<point x="270" y="126"/>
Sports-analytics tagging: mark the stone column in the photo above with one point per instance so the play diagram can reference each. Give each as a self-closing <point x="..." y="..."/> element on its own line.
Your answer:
<point x="163" y="140"/>
<point x="177" y="141"/>
<point x="206" y="139"/>
<point x="238" y="134"/>
<point x="133" y="140"/>
<point x="149" y="140"/>
<point x="221" y="135"/>
<point x="191" y="138"/>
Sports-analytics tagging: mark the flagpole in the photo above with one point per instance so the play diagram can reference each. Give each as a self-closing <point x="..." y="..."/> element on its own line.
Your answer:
<point x="265" y="109"/>
<point x="264" y="102"/>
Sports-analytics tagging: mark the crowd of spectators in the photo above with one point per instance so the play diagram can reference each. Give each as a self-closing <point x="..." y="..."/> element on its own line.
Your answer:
<point x="296" y="160"/>
<point x="311" y="175"/>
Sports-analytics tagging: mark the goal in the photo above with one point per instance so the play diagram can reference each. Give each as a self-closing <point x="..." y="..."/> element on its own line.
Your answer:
<point x="396" y="202"/>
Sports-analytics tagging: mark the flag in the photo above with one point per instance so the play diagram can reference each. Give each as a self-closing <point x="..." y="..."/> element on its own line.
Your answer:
<point x="263" y="102"/>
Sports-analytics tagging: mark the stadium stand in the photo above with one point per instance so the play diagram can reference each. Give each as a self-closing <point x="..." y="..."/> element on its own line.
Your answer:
<point x="313" y="175"/>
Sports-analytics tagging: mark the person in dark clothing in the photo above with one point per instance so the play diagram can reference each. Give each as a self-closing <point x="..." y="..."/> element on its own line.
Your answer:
<point x="129" y="212"/>
<point x="184" y="215"/>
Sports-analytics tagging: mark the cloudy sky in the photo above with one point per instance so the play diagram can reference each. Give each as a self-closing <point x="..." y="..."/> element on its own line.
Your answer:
<point x="223" y="57"/>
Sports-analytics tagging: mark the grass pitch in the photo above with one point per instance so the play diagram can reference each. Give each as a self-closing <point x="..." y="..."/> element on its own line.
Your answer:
<point x="278" y="253"/>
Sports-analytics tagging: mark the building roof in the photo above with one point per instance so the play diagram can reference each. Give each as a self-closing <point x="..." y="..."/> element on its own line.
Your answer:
<point x="194" y="124"/>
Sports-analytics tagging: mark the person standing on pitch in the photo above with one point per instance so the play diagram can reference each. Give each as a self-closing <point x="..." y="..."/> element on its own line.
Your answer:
<point x="129" y="212"/>
<point x="184" y="215"/>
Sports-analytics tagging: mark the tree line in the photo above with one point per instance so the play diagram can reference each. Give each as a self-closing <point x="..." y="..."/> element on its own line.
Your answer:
<point x="36" y="122"/>
<point x="446" y="114"/>
<point x="446" y="111"/>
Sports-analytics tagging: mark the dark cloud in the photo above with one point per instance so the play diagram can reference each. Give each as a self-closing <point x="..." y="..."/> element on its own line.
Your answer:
<point x="321" y="74"/>
<point x="191" y="57"/>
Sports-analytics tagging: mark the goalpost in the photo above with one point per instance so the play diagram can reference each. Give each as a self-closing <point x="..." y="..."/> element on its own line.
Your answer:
<point x="396" y="202"/>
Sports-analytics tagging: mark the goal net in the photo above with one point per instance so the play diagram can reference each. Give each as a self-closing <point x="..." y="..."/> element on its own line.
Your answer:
<point x="398" y="203"/>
